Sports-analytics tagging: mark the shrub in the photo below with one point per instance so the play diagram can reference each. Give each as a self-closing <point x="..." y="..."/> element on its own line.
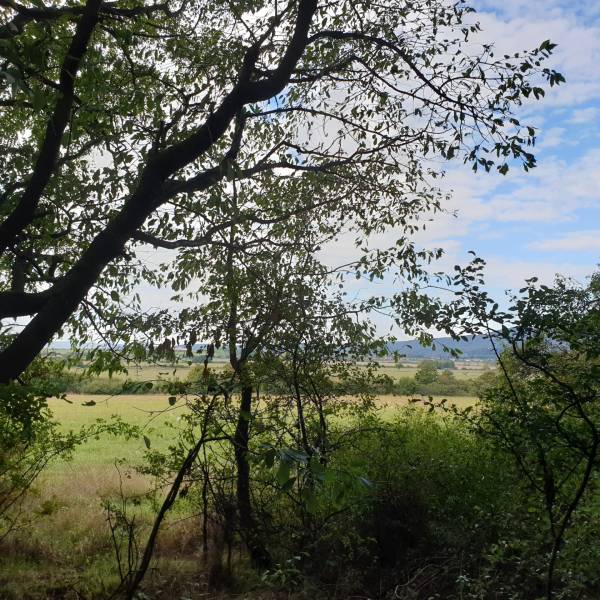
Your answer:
<point x="395" y="497"/>
<point x="26" y="448"/>
<point x="427" y="372"/>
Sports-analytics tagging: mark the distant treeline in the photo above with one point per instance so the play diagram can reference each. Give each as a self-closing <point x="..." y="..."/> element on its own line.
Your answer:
<point x="428" y="381"/>
<point x="431" y="379"/>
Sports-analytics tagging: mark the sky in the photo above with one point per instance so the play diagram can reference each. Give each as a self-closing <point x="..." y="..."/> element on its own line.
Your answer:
<point x="542" y="222"/>
<point x="546" y="221"/>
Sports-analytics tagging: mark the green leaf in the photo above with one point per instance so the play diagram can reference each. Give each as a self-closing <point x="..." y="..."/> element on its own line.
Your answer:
<point x="310" y="501"/>
<point x="269" y="457"/>
<point x="317" y="470"/>
<point x="283" y="473"/>
<point x="288" y="485"/>
<point x="365" y="482"/>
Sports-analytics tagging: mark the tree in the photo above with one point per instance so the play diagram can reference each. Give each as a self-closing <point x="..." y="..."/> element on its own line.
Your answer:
<point x="427" y="372"/>
<point x="268" y="303"/>
<point x="543" y="407"/>
<point x="546" y="409"/>
<point x="270" y="306"/>
<point x="123" y="123"/>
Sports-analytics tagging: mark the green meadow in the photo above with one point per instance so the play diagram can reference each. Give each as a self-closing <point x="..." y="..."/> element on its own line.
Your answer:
<point x="159" y="421"/>
<point x="67" y="542"/>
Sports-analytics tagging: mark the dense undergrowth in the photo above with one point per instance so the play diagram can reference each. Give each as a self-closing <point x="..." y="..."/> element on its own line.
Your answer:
<point x="416" y="506"/>
<point x="282" y="478"/>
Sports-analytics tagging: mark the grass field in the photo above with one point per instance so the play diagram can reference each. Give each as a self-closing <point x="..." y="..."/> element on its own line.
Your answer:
<point x="397" y="372"/>
<point x="389" y="404"/>
<point x="180" y="371"/>
<point x="150" y="411"/>
<point x="155" y="372"/>
<point x="153" y="413"/>
<point x="66" y="550"/>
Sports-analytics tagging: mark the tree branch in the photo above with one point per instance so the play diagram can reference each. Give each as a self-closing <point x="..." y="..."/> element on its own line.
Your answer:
<point x="20" y="304"/>
<point x="383" y="43"/>
<point x="48" y="156"/>
<point x="149" y="194"/>
<point x="26" y="14"/>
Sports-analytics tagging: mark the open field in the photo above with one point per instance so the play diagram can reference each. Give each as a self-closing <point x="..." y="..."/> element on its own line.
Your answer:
<point x="150" y="411"/>
<point x="159" y="420"/>
<point x="156" y="371"/>
<point x="389" y="404"/>
<point x="67" y="546"/>
<point x="396" y="372"/>
<point x="181" y="371"/>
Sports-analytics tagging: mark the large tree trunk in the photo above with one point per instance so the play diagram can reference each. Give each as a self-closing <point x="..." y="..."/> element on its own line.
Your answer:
<point x="54" y="306"/>
<point x="258" y="553"/>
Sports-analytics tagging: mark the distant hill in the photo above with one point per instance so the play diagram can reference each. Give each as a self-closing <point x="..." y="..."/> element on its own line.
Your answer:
<point x="478" y="348"/>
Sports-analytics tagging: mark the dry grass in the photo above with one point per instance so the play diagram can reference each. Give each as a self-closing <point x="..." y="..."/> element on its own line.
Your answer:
<point x="156" y="372"/>
<point x="92" y="481"/>
<point x="391" y="402"/>
<point x="65" y="549"/>
<point x="66" y="544"/>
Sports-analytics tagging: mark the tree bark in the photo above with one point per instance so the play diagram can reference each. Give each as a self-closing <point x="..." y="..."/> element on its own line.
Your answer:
<point x="259" y="555"/>
<point x="149" y="195"/>
<point x="49" y="151"/>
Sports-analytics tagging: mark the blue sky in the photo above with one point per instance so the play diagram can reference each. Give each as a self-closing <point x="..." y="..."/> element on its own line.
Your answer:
<point x="548" y="220"/>
<point x="539" y="223"/>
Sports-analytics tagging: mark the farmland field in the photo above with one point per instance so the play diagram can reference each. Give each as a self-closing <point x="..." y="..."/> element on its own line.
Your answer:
<point x="181" y="370"/>
<point x="68" y="545"/>
<point x="410" y="371"/>
<point x="151" y="411"/>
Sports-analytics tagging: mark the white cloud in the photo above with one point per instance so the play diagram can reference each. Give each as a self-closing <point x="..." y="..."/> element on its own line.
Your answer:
<point x="581" y="116"/>
<point x="510" y="274"/>
<point x="515" y="25"/>
<point x="574" y="241"/>
<point x="553" y="192"/>
<point x="551" y="138"/>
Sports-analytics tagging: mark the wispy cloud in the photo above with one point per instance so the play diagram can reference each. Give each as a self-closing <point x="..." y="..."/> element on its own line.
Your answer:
<point x="510" y="274"/>
<point x="581" y="116"/>
<point x="553" y="192"/>
<point x="574" y="241"/>
<point x="551" y="138"/>
<point x="515" y="24"/>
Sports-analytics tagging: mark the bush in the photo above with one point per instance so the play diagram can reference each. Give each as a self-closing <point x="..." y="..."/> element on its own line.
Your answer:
<point x="427" y="373"/>
<point x="444" y="384"/>
<point x="99" y="385"/>
<point x="405" y="386"/>
<point x="436" y="490"/>
<point x="26" y="448"/>
<point x="395" y="497"/>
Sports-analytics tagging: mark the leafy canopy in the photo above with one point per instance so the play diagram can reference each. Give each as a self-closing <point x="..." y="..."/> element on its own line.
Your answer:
<point x="125" y="124"/>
